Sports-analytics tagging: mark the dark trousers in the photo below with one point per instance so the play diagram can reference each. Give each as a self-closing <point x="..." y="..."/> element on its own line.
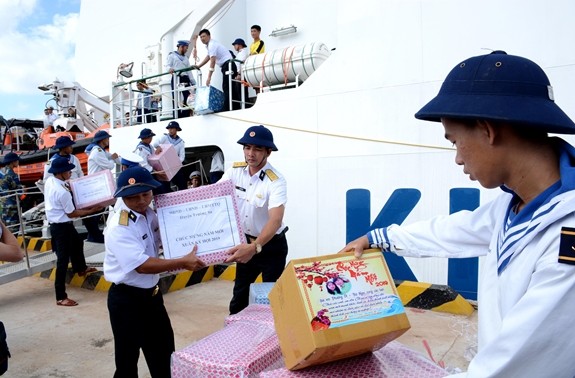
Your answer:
<point x="95" y="235"/>
<point x="270" y="262"/>
<point x="145" y="112"/>
<point x="215" y="176"/>
<point x="69" y="247"/>
<point x="180" y="180"/>
<point x="140" y="321"/>
<point x="236" y="87"/>
<point x="184" y="79"/>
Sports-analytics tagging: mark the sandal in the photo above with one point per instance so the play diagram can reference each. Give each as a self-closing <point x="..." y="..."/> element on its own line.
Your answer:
<point x="67" y="302"/>
<point x="87" y="271"/>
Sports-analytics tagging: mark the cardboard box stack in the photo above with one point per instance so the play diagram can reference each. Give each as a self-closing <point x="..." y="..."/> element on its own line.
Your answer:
<point x="332" y="307"/>
<point x="167" y="161"/>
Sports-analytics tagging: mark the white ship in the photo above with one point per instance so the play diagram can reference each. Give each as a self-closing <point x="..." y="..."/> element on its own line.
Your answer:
<point x="352" y="152"/>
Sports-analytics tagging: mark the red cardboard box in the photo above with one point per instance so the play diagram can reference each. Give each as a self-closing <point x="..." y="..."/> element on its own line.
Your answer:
<point x="166" y="161"/>
<point x="336" y="306"/>
<point x="93" y="190"/>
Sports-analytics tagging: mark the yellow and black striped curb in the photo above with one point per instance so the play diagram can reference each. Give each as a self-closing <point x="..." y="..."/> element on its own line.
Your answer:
<point x="168" y="282"/>
<point x="420" y="295"/>
<point x="432" y="297"/>
<point x="413" y="294"/>
<point x="35" y="244"/>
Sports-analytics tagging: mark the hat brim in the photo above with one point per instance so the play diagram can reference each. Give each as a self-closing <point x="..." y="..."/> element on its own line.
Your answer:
<point x="66" y="168"/>
<point x="134" y="189"/>
<point x="541" y="114"/>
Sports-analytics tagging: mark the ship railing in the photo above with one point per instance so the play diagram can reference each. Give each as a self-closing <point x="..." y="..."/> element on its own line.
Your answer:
<point x="165" y="103"/>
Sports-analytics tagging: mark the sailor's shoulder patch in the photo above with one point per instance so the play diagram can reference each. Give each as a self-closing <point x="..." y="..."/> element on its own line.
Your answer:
<point x="124" y="218"/>
<point x="99" y="149"/>
<point x="240" y="164"/>
<point x="567" y="246"/>
<point x="271" y="174"/>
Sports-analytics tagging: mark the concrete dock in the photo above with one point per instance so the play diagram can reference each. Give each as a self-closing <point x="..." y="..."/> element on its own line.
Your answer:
<point x="53" y="341"/>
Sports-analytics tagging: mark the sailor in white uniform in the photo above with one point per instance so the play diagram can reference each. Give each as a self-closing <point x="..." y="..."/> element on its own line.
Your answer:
<point x="100" y="159"/>
<point x="262" y="195"/>
<point x="64" y="146"/>
<point x="66" y="241"/>
<point x="144" y="148"/>
<point x="179" y="145"/>
<point x="497" y="110"/>
<point x="137" y="314"/>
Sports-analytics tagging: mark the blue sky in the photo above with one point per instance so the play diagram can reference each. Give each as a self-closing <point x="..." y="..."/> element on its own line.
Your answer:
<point x="38" y="42"/>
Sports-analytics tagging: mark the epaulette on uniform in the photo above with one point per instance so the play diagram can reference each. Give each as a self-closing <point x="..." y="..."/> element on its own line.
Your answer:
<point x="272" y="176"/>
<point x="99" y="149"/>
<point x="240" y="164"/>
<point x="124" y="218"/>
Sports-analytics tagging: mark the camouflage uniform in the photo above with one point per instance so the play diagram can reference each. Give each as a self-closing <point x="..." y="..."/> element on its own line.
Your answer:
<point x="8" y="183"/>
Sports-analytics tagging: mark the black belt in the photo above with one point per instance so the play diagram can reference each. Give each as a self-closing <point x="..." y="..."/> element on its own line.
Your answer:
<point x="275" y="237"/>
<point x="69" y="222"/>
<point x="151" y="292"/>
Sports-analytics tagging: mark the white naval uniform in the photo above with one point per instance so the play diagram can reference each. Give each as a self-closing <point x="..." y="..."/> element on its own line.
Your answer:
<point x="76" y="172"/>
<point x="100" y="160"/>
<point x="526" y="313"/>
<point x="58" y="201"/>
<point x="257" y="194"/>
<point x="178" y="144"/>
<point x="144" y="151"/>
<point x="131" y="239"/>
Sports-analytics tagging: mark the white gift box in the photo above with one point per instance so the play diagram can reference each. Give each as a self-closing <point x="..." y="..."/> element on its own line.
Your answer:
<point x="206" y="216"/>
<point x="93" y="190"/>
<point x="168" y="162"/>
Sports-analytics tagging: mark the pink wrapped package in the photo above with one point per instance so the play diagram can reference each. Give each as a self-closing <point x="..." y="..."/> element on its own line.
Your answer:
<point x="392" y="361"/>
<point x="166" y="161"/>
<point x="206" y="216"/>
<point x="257" y="313"/>
<point x="242" y="349"/>
<point x="94" y="189"/>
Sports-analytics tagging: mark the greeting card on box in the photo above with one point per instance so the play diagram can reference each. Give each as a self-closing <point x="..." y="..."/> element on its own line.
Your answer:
<point x="206" y="216"/>
<point x="345" y="290"/>
<point x="95" y="189"/>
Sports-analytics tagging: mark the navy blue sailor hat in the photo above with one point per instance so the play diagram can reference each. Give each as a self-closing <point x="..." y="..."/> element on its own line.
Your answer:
<point x="174" y="125"/>
<point x="183" y="43"/>
<point x="10" y="157"/>
<point x="100" y="135"/>
<point x="258" y="136"/>
<point x="146" y="133"/>
<point x="499" y="87"/>
<point x="134" y="181"/>
<point x="63" y="142"/>
<point x="60" y="165"/>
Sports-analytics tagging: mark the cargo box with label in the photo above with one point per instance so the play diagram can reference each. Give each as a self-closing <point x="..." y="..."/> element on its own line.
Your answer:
<point x="331" y="307"/>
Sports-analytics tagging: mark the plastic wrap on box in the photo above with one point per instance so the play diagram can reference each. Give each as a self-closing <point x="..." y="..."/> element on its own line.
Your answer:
<point x="257" y="313"/>
<point x="241" y="349"/>
<point x="259" y="292"/>
<point x="166" y="161"/>
<point x="207" y="216"/>
<point x="93" y="190"/>
<point x="208" y="100"/>
<point x="392" y="361"/>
